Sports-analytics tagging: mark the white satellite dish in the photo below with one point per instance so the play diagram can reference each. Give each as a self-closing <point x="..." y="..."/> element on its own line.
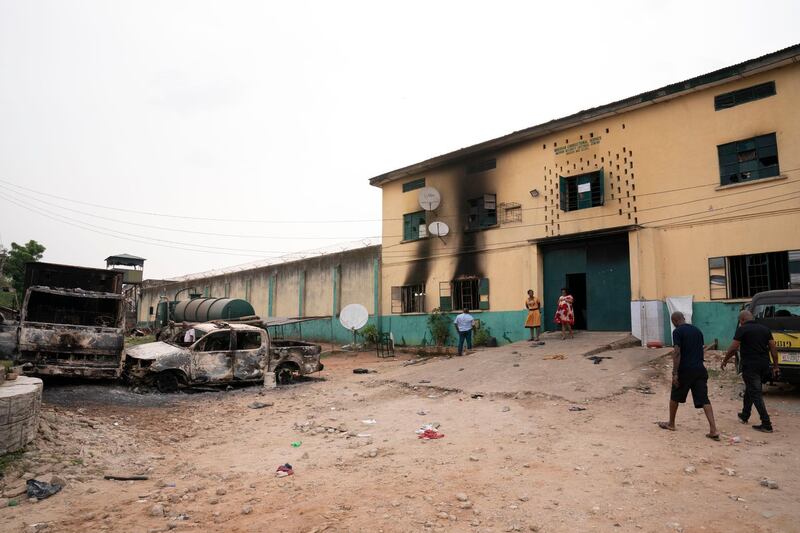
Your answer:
<point x="439" y="229"/>
<point x="354" y="317"/>
<point x="429" y="198"/>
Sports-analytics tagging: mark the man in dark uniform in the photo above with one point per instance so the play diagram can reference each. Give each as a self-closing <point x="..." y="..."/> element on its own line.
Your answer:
<point x="755" y="344"/>
<point x="688" y="373"/>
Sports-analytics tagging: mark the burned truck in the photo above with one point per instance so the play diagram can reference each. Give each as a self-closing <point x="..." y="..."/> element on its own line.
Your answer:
<point x="71" y="322"/>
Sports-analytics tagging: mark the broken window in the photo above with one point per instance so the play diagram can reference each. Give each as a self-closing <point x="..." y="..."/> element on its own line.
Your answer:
<point x="408" y="299"/>
<point x="470" y="293"/>
<point x="248" y="340"/>
<point x="742" y="276"/>
<point x="481" y="166"/>
<point x="748" y="160"/>
<point x="582" y="191"/>
<point x="742" y="96"/>
<point x="414" y="226"/>
<point x="51" y="308"/>
<point x="482" y="212"/>
<point x="218" y="341"/>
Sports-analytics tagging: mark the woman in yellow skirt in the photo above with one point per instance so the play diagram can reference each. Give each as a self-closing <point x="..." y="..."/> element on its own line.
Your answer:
<point x="534" y="320"/>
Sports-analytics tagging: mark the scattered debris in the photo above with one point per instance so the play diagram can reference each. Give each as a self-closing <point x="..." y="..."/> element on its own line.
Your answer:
<point x="284" y="470"/>
<point x="644" y="389"/>
<point x="576" y="408"/>
<point x="730" y="471"/>
<point x="556" y="357"/>
<point x="424" y="381"/>
<point x="430" y="434"/>
<point x="735" y="440"/>
<point x="41" y="489"/>
<point x="370" y="421"/>
<point x="422" y="412"/>
<point x="770" y="483"/>
<point x="125" y="477"/>
<point x="598" y="358"/>
<point x="505" y="409"/>
<point x="297" y="444"/>
<point x="361" y="371"/>
<point x="476" y="396"/>
<point x="691" y="469"/>
<point x="260" y="405"/>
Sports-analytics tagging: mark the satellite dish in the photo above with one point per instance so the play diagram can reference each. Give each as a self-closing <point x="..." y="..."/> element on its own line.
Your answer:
<point x="439" y="229"/>
<point x="354" y="317"/>
<point x="429" y="198"/>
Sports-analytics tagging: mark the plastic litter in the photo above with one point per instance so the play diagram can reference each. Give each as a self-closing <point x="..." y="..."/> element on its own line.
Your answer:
<point x="427" y="427"/>
<point x="370" y="421"/>
<point x="735" y="440"/>
<point x="430" y="434"/>
<point x="40" y="489"/>
<point x="296" y="444"/>
<point x="284" y="470"/>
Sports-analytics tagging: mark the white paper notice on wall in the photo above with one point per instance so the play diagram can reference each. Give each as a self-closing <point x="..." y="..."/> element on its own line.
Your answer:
<point x="584" y="187"/>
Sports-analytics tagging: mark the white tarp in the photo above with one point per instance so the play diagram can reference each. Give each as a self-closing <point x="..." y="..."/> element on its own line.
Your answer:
<point x="682" y="304"/>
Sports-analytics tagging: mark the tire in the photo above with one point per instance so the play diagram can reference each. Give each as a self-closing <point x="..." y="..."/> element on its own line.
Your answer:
<point x="284" y="375"/>
<point x="167" y="382"/>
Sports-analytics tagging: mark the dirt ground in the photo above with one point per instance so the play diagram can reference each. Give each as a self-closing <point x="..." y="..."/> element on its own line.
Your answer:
<point x="509" y="461"/>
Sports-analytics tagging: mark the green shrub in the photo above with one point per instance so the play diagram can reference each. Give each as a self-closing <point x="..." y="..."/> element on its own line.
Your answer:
<point x="370" y="334"/>
<point x="439" y="326"/>
<point x="481" y="337"/>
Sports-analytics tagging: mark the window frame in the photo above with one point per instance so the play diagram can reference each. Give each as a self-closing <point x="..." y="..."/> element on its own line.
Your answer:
<point x="745" y="95"/>
<point x="482" y="212"/>
<point x="569" y="187"/>
<point x="409" y="227"/>
<point x="734" y="277"/>
<point x="413" y="185"/>
<point x="402" y="295"/>
<point x="746" y="157"/>
<point x="451" y="294"/>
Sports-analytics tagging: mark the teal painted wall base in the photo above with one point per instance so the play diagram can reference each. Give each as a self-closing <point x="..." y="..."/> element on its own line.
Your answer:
<point x="717" y="320"/>
<point x="412" y="330"/>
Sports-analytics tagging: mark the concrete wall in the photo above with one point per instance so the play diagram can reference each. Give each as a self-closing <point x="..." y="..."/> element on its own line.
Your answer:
<point x="343" y="278"/>
<point x="661" y="176"/>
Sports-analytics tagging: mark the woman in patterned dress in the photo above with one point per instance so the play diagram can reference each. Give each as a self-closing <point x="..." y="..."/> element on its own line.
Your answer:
<point x="565" y="314"/>
<point x="534" y="320"/>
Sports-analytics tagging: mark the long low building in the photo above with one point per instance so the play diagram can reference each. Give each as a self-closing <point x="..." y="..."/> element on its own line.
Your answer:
<point x="314" y="288"/>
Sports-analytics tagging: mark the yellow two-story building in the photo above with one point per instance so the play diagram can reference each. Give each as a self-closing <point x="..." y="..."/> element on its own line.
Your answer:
<point x="692" y="189"/>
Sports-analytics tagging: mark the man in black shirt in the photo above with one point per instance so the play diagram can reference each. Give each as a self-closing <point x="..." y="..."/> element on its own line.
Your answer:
<point x="755" y="345"/>
<point x="688" y="373"/>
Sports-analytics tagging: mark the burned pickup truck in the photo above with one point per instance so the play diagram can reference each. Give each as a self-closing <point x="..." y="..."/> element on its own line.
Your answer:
<point x="71" y="322"/>
<point x="223" y="353"/>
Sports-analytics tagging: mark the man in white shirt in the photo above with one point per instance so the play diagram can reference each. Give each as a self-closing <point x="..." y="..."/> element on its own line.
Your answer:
<point x="463" y="323"/>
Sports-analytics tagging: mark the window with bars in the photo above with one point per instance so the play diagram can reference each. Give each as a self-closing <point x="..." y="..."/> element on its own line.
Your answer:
<point x="414" y="226"/>
<point x="510" y="212"/>
<point x="482" y="212"/>
<point x="742" y="276"/>
<point x="742" y="96"/>
<point x="470" y="293"/>
<point x="408" y="299"/>
<point x="748" y="159"/>
<point x="582" y="191"/>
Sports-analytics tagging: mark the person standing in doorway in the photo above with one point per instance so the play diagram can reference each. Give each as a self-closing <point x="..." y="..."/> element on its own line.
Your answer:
<point x="688" y="374"/>
<point x="565" y="315"/>
<point x="755" y="345"/>
<point x="463" y="323"/>
<point x="534" y="320"/>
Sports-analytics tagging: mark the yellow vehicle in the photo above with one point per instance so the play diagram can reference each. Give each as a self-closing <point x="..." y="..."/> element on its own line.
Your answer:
<point x="780" y="312"/>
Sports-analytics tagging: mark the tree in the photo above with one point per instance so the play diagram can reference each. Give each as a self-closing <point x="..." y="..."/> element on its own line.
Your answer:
<point x="14" y="266"/>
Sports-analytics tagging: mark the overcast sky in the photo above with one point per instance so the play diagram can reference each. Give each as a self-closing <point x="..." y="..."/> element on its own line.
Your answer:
<point x="281" y="111"/>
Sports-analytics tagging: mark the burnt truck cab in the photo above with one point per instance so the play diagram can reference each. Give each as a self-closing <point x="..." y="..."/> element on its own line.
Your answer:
<point x="222" y="353"/>
<point x="71" y="332"/>
<point x="780" y="312"/>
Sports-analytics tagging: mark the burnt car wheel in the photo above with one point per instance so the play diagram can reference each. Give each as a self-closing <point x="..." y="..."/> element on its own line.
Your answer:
<point x="167" y="382"/>
<point x="284" y="375"/>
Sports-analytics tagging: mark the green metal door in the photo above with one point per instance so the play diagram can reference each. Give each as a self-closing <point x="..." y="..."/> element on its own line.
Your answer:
<point x="606" y="263"/>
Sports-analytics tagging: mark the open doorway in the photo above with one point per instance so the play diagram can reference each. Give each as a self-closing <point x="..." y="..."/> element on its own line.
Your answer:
<point x="576" y="286"/>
